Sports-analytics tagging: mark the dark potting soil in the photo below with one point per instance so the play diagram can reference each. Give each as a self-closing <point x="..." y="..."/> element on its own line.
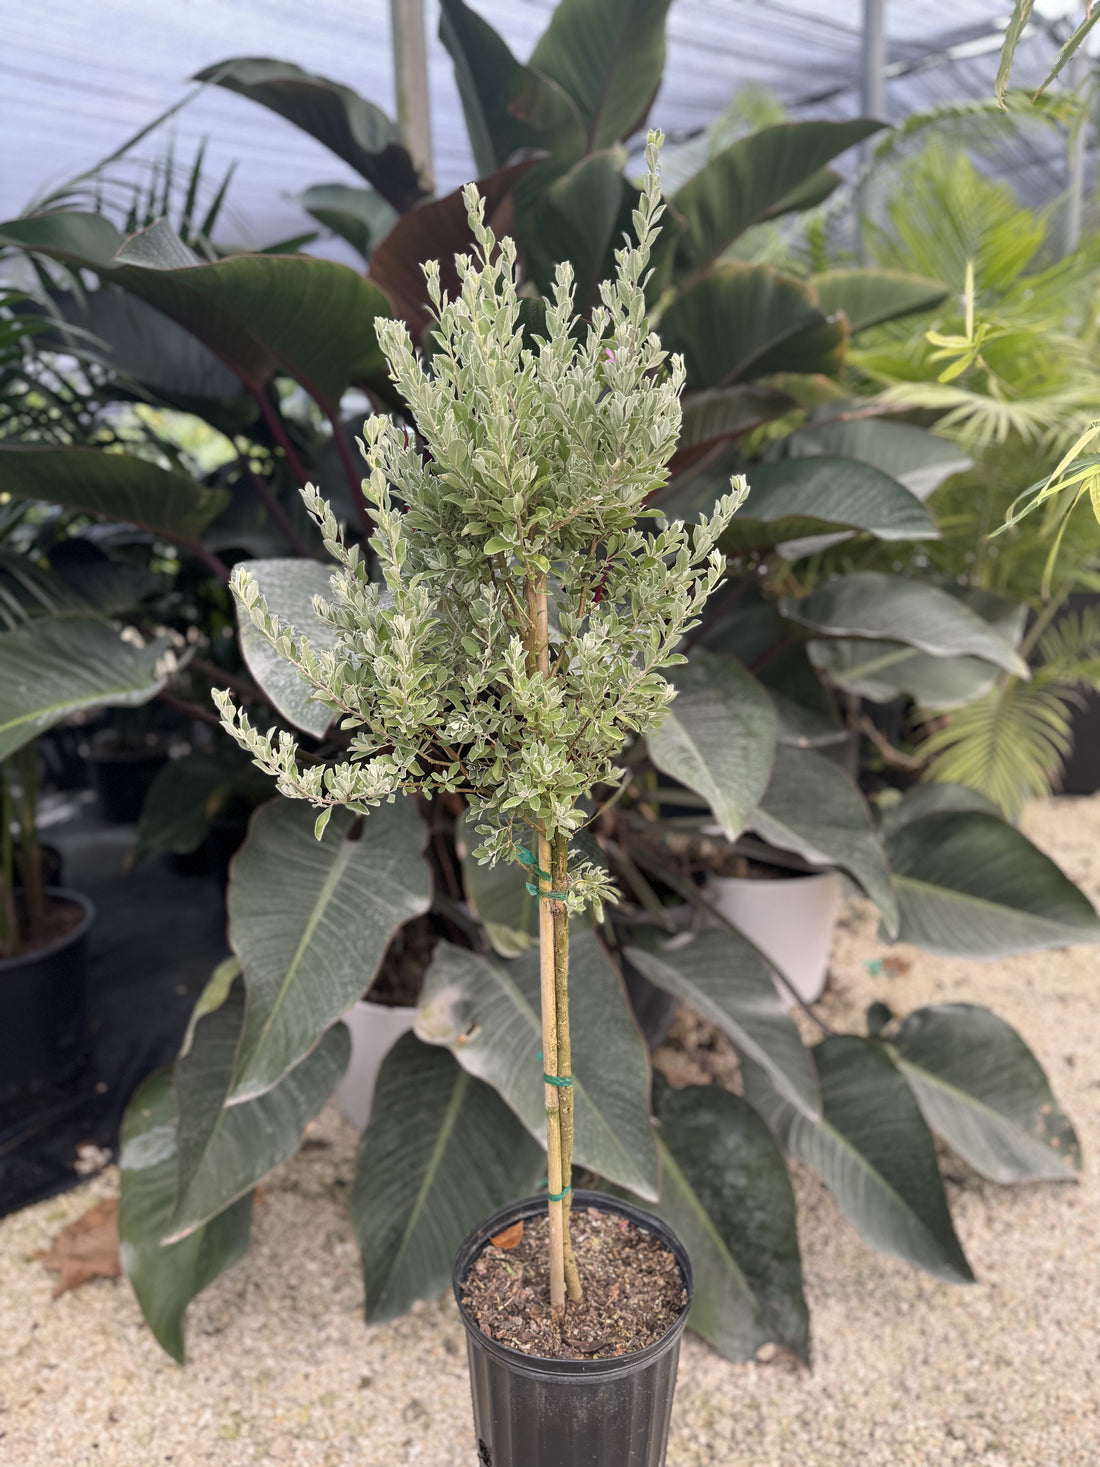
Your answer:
<point x="633" y="1290"/>
<point x="61" y="918"/>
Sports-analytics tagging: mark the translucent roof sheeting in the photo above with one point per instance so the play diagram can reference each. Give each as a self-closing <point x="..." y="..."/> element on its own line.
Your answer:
<point x="77" y="77"/>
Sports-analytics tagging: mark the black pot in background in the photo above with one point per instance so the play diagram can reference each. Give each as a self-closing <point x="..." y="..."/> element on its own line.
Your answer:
<point x="1082" y="772"/>
<point x="43" y="1006"/>
<point x="122" y="777"/>
<point x="532" y="1412"/>
<point x="224" y="838"/>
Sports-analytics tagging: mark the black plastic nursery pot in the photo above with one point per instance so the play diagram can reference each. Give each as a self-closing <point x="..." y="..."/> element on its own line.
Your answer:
<point x="43" y="1006"/>
<point x="122" y="778"/>
<point x="534" y="1412"/>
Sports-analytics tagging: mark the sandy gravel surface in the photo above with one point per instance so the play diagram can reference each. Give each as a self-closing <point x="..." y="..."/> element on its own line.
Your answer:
<point x="907" y="1370"/>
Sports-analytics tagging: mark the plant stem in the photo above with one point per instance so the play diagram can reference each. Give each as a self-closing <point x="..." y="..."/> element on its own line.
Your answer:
<point x="548" y="993"/>
<point x="9" y="932"/>
<point x="277" y="429"/>
<point x="34" y="893"/>
<point x="537" y="642"/>
<point x="352" y="473"/>
<point x="559" y="875"/>
<point x="267" y="498"/>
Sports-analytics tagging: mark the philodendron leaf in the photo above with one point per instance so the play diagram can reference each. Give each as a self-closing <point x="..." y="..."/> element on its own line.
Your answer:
<point x="498" y="898"/>
<point x="727" y="981"/>
<point x="869" y="297"/>
<point x="985" y="1093"/>
<point x="755" y="178"/>
<point x="873" y="1151"/>
<point x="921" y="800"/>
<point x="971" y="885"/>
<point x="739" y="321"/>
<point x="248" y="1140"/>
<point x="289" y="586"/>
<point x="807" y="496"/>
<point x="55" y="667"/>
<point x="718" y="737"/>
<point x="113" y="485"/>
<point x="507" y="106"/>
<point x="726" y="1191"/>
<point x="487" y="1013"/>
<point x="915" y="457"/>
<point x="883" y="671"/>
<point x="429" y="1171"/>
<point x="166" y="1278"/>
<point x="346" y="123"/>
<point x="311" y="920"/>
<point x="893" y="608"/>
<point x="607" y="56"/>
<point x="235" y="306"/>
<point x="359" y="215"/>
<point x="813" y="808"/>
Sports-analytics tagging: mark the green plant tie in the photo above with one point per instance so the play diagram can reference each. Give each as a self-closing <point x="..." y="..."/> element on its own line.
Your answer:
<point x="559" y="1196"/>
<point x="563" y="1081"/>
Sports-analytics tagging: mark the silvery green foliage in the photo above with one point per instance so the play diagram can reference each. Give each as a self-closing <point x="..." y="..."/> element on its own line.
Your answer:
<point x="538" y="465"/>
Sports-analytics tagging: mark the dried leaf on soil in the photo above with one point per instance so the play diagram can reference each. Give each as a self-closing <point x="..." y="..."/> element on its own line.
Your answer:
<point x="86" y="1249"/>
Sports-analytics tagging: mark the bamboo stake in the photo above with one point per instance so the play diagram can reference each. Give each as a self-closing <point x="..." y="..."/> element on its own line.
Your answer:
<point x="559" y="873"/>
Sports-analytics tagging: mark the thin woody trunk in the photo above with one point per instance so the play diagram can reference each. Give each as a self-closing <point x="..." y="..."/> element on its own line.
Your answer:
<point x="559" y="873"/>
<point x="538" y="660"/>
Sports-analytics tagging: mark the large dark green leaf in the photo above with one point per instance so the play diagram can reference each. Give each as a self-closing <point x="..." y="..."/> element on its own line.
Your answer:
<point x="883" y="607"/>
<point x="719" y="413"/>
<point x="289" y="586"/>
<point x="811" y="496"/>
<point x="813" y="808"/>
<point x="969" y="884"/>
<point x="166" y="1278"/>
<point x="914" y="456"/>
<point x="718" y="737"/>
<point x="726" y="1192"/>
<point x="439" y="230"/>
<point x="728" y="982"/>
<point x="984" y="1091"/>
<point x="58" y="666"/>
<point x="740" y="321"/>
<point x="359" y="215"/>
<point x="113" y="485"/>
<point x="869" y="297"/>
<point x="487" y="1013"/>
<point x="311" y="920"/>
<point x="236" y="306"/>
<point x="427" y="1173"/>
<point x="756" y="178"/>
<point x="249" y="1140"/>
<point x="507" y="106"/>
<point x="608" y="56"/>
<point x="498" y="898"/>
<point x="575" y="220"/>
<point x="346" y="123"/>
<point x="188" y="793"/>
<point x="883" y="671"/>
<point x="873" y="1151"/>
<point x="921" y="800"/>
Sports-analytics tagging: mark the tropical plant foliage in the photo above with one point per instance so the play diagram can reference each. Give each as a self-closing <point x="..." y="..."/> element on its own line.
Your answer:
<point x="181" y="329"/>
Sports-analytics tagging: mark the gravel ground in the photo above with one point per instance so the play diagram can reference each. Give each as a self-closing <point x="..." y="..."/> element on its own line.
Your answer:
<point x="906" y="1370"/>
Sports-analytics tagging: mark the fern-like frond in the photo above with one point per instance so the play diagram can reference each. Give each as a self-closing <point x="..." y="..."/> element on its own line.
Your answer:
<point x="1010" y="744"/>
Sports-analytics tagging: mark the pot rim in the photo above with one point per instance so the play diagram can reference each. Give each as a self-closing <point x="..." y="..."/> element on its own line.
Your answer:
<point x="800" y="878"/>
<point x="67" y="939"/>
<point x="543" y="1366"/>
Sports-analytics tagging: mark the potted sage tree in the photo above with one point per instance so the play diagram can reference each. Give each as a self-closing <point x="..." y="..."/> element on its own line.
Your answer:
<point x="519" y="637"/>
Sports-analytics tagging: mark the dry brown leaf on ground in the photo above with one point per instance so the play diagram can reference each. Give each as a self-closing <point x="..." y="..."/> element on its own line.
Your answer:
<point x="86" y="1249"/>
<point x="510" y="1238"/>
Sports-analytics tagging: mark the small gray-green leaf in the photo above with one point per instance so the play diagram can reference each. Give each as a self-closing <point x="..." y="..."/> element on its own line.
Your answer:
<point x="426" y="1173"/>
<point x="873" y="1151"/>
<point x="487" y="1013"/>
<point x="718" y="737"/>
<point x="311" y="920"/>
<point x="984" y="1091"/>
<point x="288" y="587"/>
<point x="166" y="1278"/>
<point x="727" y="981"/>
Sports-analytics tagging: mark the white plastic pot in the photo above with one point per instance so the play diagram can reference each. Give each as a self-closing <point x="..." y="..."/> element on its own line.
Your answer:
<point x="375" y="1028"/>
<point x="791" y="919"/>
